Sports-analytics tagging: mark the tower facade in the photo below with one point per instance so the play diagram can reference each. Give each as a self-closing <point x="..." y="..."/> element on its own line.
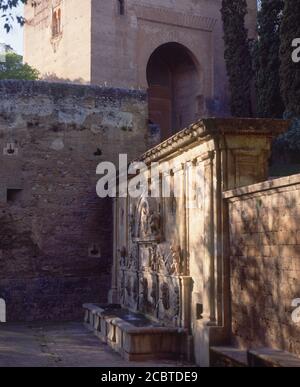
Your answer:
<point x="173" y="48"/>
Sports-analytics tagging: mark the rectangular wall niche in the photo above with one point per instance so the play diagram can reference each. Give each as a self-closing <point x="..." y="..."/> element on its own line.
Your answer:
<point x="13" y="195"/>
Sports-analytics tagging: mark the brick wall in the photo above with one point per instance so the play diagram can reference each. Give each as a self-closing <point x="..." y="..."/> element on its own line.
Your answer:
<point x="55" y="234"/>
<point x="265" y="263"/>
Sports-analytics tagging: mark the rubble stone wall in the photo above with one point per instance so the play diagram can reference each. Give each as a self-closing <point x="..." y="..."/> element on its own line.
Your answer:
<point x="55" y="233"/>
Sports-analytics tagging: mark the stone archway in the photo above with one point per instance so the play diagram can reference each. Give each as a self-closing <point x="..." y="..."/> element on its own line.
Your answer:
<point x="174" y="88"/>
<point x="2" y="311"/>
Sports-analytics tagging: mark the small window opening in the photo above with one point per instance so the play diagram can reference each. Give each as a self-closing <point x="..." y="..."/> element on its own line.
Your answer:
<point x="2" y="311"/>
<point x="121" y="6"/>
<point x="94" y="251"/>
<point x="13" y="195"/>
<point x="56" y="23"/>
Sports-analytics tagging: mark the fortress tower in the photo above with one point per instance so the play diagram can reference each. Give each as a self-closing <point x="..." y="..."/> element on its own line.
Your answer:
<point x="173" y="48"/>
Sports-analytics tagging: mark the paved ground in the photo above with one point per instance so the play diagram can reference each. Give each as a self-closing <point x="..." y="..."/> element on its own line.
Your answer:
<point x="58" y="345"/>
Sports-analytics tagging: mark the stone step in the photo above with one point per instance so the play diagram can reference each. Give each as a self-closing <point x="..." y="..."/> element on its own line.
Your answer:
<point x="262" y="357"/>
<point x="133" y="336"/>
<point x="228" y="357"/>
<point x="268" y="357"/>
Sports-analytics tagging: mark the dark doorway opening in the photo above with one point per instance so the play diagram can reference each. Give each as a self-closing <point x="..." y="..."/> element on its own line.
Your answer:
<point x="174" y="88"/>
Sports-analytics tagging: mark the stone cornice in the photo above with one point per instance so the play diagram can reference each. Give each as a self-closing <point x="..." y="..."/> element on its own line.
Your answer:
<point x="167" y="16"/>
<point x="261" y="188"/>
<point x="214" y="128"/>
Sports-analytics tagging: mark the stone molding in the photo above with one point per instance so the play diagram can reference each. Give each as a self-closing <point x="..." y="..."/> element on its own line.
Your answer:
<point x="211" y="127"/>
<point x="270" y="185"/>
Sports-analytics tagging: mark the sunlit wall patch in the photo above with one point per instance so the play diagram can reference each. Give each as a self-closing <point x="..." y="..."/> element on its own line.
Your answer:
<point x="296" y="51"/>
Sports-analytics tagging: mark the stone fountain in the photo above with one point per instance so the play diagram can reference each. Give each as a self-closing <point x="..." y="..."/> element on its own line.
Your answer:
<point x="170" y="293"/>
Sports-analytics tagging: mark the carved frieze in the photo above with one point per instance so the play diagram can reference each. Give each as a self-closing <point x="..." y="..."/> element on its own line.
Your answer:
<point x="151" y="266"/>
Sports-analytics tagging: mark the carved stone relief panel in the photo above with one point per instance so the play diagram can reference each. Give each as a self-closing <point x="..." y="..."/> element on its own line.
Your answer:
<point x="171" y="260"/>
<point x="129" y="292"/>
<point x="145" y="220"/>
<point x="152" y="263"/>
<point x="170" y="299"/>
<point x="134" y="257"/>
<point x="149" y="295"/>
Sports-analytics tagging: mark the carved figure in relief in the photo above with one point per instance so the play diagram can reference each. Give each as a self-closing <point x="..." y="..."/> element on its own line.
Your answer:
<point x="176" y="267"/>
<point x="153" y="259"/>
<point x="172" y="263"/>
<point x="154" y="295"/>
<point x="135" y="290"/>
<point x="176" y="301"/>
<point x="133" y="259"/>
<point x="122" y="289"/>
<point x="144" y="221"/>
<point x="132" y="225"/>
<point x="160" y="259"/>
<point x="128" y="287"/>
<point x="154" y="221"/>
<point x="123" y="257"/>
<point x="149" y="221"/>
<point x="165" y="296"/>
<point x="144" y="292"/>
